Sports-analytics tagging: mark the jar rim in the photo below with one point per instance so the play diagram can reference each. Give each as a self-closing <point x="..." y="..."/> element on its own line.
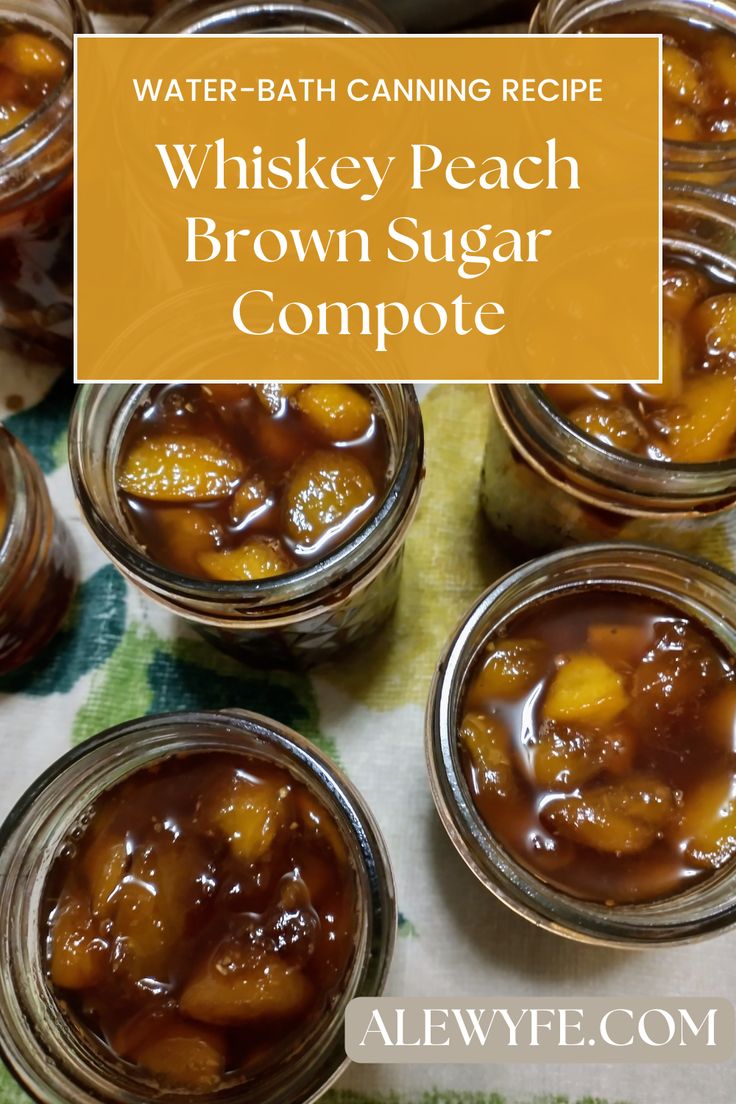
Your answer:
<point x="680" y="918"/>
<point x="396" y="509"/>
<point x="353" y="16"/>
<point x="154" y="738"/>
<point x="24" y="141"/>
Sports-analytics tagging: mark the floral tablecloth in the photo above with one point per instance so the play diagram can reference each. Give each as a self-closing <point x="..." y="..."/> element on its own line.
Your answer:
<point x="119" y="656"/>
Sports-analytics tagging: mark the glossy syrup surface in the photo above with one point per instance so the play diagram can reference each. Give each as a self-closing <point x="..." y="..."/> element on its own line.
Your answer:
<point x="598" y="740"/>
<point x="206" y="919"/>
<point x="240" y="482"/>
<point x="689" y="418"/>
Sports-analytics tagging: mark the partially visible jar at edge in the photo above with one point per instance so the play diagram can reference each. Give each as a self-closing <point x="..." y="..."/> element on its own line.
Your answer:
<point x="700" y="160"/>
<point x="306" y="616"/>
<point x="547" y="484"/>
<point x="327" y="17"/>
<point x="37" y="558"/>
<point x="36" y="154"/>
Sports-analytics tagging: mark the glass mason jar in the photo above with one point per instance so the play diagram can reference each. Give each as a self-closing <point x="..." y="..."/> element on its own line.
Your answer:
<point x="698" y="589"/>
<point x="38" y="565"/>
<point x="305" y="616"/>
<point x="707" y="164"/>
<point x="546" y="483"/>
<point x="327" y="17"/>
<point x="36" y="238"/>
<point x="53" y="1059"/>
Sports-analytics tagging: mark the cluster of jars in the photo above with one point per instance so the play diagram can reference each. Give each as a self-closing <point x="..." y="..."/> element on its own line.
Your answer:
<point x="616" y="486"/>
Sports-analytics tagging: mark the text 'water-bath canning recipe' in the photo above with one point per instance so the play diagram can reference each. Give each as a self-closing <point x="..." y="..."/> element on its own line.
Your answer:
<point x="368" y="208"/>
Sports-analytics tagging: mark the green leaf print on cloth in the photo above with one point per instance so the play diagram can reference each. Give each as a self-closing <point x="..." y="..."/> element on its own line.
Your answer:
<point x="93" y="630"/>
<point x="449" y="558"/>
<point x="147" y="674"/>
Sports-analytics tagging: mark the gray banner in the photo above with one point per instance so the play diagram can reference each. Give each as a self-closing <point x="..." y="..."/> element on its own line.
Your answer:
<point x="586" y="1029"/>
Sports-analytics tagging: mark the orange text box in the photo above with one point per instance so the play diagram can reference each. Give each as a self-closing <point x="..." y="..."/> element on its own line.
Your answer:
<point x="481" y="208"/>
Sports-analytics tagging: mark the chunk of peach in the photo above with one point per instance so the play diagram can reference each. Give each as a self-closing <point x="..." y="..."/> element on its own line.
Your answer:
<point x="617" y="748"/>
<point x="679" y="124"/>
<point x="564" y="758"/>
<point x="708" y="823"/>
<point x="610" y="423"/>
<point x="188" y="532"/>
<point x="512" y="668"/>
<point x="34" y="57"/>
<point x="250" y="812"/>
<point x="78" y="954"/>
<point x="241" y="984"/>
<point x="679" y="670"/>
<point x="105" y="866"/>
<point x="272" y="396"/>
<point x="719" y="715"/>
<point x="250" y="499"/>
<point x="707" y="430"/>
<point x="585" y="689"/>
<point x="175" y="469"/>
<point x="183" y="1054"/>
<point x="328" y="491"/>
<point x="720" y="61"/>
<point x="623" y="646"/>
<point x="338" y="410"/>
<point x="622" y="818"/>
<point x="255" y="559"/>
<point x="489" y="747"/>
<point x="714" y="320"/>
<point x="682" y="290"/>
<point x="682" y="76"/>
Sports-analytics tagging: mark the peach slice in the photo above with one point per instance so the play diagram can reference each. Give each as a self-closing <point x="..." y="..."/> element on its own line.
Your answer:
<point x="34" y="57"/>
<point x="564" y="758"/>
<point x="240" y="985"/>
<point x="622" y="818"/>
<point x="250" y="498"/>
<point x="715" y="321"/>
<point x="250" y="813"/>
<point x="513" y="666"/>
<point x="620" y="645"/>
<point x="327" y="490"/>
<point x="682" y="76"/>
<point x="720" y="60"/>
<point x="709" y="822"/>
<point x="673" y="367"/>
<point x="256" y="559"/>
<point x="336" y="409"/>
<point x="585" y="689"/>
<point x="488" y="745"/>
<point x="183" y="1054"/>
<point x="610" y="423"/>
<point x="78" y="954"/>
<point x="272" y="396"/>
<point x="682" y="289"/>
<point x="707" y="430"/>
<point x="179" y="468"/>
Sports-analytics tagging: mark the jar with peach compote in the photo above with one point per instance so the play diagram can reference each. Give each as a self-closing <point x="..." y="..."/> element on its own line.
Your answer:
<point x="188" y="903"/>
<point x="36" y="153"/>
<point x="38" y="564"/>
<point x="271" y="516"/>
<point x="698" y="74"/>
<point x="571" y="463"/>
<point x="580" y="744"/>
<point x="282" y="17"/>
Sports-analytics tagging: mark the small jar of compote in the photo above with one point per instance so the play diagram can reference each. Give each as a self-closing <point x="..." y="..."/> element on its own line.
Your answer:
<point x="37" y="559"/>
<point x="698" y="74"/>
<point x="574" y="463"/>
<point x="36" y="152"/>
<point x="271" y="516"/>
<point x="278" y="17"/>
<point x="187" y="905"/>
<point x="580" y="740"/>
